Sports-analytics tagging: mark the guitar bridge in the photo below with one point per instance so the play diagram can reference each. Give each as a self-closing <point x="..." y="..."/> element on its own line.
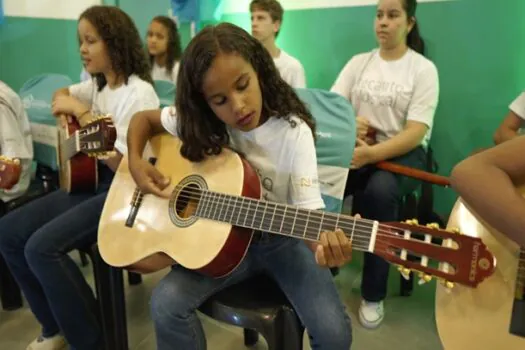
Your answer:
<point x="137" y="201"/>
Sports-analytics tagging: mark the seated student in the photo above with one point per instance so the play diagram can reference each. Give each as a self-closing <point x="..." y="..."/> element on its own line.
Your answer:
<point x="267" y="18"/>
<point x="15" y="139"/>
<point x="36" y="238"/>
<point x="164" y="48"/>
<point x="513" y="122"/>
<point x="228" y="97"/>
<point x="394" y="91"/>
<point x="488" y="182"/>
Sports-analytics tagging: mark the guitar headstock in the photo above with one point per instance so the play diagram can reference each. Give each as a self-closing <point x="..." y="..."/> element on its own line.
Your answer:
<point x="447" y="255"/>
<point x="10" y="170"/>
<point x="97" y="138"/>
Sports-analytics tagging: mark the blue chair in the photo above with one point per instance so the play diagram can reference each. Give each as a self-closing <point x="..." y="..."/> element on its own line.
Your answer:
<point x="258" y="305"/>
<point x="37" y="94"/>
<point x="166" y="92"/>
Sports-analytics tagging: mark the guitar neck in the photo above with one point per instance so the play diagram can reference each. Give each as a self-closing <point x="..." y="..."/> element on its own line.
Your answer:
<point x="284" y="219"/>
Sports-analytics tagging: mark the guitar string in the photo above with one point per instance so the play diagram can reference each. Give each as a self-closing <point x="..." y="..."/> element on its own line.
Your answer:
<point x="220" y="201"/>
<point x="318" y="218"/>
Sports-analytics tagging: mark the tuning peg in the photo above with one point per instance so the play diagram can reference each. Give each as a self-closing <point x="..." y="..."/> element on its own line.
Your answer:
<point x="424" y="278"/>
<point x="433" y="225"/>
<point x="404" y="272"/>
<point x="455" y="230"/>
<point x="412" y="222"/>
<point x="448" y="284"/>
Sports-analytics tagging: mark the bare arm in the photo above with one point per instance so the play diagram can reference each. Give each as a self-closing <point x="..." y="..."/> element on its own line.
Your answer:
<point x="402" y="143"/>
<point x="508" y="129"/>
<point x="488" y="183"/>
<point x="143" y="126"/>
<point x="64" y="102"/>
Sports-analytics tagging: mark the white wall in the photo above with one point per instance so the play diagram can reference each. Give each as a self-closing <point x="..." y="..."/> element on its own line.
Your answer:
<point x="60" y="9"/>
<point x="241" y="6"/>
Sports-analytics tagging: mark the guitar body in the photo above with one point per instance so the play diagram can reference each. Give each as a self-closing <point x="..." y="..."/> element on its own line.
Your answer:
<point x="480" y="318"/>
<point x="164" y="231"/>
<point x="79" y="173"/>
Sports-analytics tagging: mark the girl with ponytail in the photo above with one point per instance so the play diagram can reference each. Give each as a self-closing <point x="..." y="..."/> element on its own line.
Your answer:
<point x="394" y="90"/>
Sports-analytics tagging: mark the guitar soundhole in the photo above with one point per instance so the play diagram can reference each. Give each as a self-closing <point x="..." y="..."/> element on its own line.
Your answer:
<point x="185" y="199"/>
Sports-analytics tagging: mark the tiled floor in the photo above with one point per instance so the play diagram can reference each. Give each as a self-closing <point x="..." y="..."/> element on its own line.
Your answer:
<point x="409" y="323"/>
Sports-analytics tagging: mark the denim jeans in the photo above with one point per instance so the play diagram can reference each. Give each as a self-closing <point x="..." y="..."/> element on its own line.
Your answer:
<point x="377" y="195"/>
<point x="35" y="240"/>
<point x="288" y="261"/>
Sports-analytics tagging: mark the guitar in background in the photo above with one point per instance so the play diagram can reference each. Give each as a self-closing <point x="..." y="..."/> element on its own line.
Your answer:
<point x="10" y="171"/>
<point x="79" y="150"/>
<point x="493" y="315"/>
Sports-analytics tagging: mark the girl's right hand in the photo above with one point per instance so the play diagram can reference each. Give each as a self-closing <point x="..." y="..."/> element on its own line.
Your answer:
<point x="362" y="125"/>
<point x="148" y="178"/>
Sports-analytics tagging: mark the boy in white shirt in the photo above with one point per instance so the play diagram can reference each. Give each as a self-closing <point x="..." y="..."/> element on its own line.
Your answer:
<point x="267" y="18"/>
<point x="15" y="139"/>
<point x="513" y="122"/>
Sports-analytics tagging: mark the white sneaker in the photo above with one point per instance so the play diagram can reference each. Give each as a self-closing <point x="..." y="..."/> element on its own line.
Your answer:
<point x="371" y="314"/>
<point x="56" y="342"/>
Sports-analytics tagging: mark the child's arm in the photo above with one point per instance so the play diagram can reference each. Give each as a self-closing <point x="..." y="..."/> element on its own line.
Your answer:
<point x="64" y="102"/>
<point x="489" y="181"/>
<point x="143" y="126"/>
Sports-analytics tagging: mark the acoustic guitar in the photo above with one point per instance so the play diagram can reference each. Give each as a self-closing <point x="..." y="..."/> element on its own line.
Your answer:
<point x="10" y="171"/>
<point x="207" y="223"/>
<point x="493" y="315"/>
<point x="79" y="149"/>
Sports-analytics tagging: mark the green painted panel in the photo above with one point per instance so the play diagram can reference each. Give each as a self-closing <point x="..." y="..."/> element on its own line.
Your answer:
<point x="32" y="46"/>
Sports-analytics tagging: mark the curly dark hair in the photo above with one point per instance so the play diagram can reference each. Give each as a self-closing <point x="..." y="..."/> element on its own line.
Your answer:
<point x="174" y="50"/>
<point x="123" y="43"/>
<point x="202" y="133"/>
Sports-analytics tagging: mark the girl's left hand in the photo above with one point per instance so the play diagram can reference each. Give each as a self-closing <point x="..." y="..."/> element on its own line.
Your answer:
<point x="334" y="249"/>
<point x="66" y="105"/>
<point x="362" y="155"/>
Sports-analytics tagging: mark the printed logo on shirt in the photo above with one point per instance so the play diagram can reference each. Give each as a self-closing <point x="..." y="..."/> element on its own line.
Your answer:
<point x="378" y="92"/>
<point x="308" y="182"/>
<point x="266" y="182"/>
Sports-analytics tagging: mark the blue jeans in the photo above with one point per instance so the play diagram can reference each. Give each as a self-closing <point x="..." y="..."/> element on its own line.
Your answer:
<point x="35" y="240"/>
<point x="289" y="262"/>
<point x="377" y="196"/>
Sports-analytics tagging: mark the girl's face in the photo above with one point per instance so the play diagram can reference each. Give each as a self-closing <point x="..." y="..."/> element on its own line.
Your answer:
<point x="232" y="90"/>
<point x="391" y="24"/>
<point x="157" y="39"/>
<point x="92" y="49"/>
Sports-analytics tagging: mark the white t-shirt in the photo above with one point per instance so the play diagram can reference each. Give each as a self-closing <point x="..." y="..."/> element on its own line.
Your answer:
<point x="15" y="139"/>
<point x="284" y="158"/>
<point x="291" y="70"/>
<point x="389" y="93"/>
<point x="518" y="106"/>
<point x="160" y="73"/>
<point x="122" y="102"/>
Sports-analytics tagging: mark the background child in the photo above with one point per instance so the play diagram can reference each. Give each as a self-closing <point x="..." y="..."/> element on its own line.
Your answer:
<point x="164" y="48"/>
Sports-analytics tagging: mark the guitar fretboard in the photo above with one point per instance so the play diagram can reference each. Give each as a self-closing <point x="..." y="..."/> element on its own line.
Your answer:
<point x="284" y="219"/>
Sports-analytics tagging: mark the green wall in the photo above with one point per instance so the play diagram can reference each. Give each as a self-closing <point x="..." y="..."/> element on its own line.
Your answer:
<point x="474" y="43"/>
